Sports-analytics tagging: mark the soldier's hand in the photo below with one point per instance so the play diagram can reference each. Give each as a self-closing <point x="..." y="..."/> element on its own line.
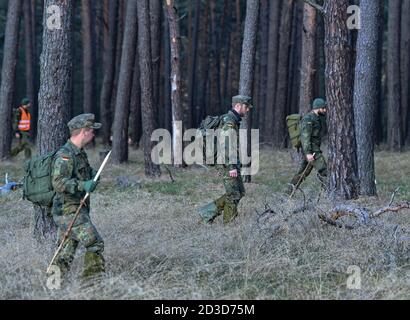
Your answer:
<point x="233" y="173"/>
<point x="310" y="157"/>
<point x="89" y="185"/>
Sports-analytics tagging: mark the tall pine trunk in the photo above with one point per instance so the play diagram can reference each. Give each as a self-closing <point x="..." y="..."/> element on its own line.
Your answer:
<point x="394" y="123"/>
<point x="176" y="82"/>
<point x="109" y="67"/>
<point x="308" y="70"/>
<point x="29" y="62"/>
<point x="55" y="93"/>
<point x="248" y="63"/>
<point x="88" y="57"/>
<point x="122" y="106"/>
<point x="279" y="129"/>
<point x="366" y="92"/>
<point x="147" y="99"/>
<point x="273" y="50"/>
<point x="339" y="92"/>
<point x="8" y="75"/>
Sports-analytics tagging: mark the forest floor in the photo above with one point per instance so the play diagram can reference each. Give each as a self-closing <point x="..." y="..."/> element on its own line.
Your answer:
<point x="156" y="246"/>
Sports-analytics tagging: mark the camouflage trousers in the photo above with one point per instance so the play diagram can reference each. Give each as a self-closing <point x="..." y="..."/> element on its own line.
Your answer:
<point x="84" y="233"/>
<point x="23" y="144"/>
<point x="228" y="203"/>
<point x="319" y="164"/>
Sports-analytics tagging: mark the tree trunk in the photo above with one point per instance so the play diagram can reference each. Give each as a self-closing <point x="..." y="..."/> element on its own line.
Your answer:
<point x="147" y="100"/>
<point x="342" y="145"/>
<point x="192" y="68"/>
<point x="273" y="50"/>
<point x="29" y="57"/>
<point x="109" y="67"/>
<point x="122" y="106"/>
<point x="8" y="75"/>
<point x="279" y="129"/>
<point x="295" y="60"/>
<point x="366" y="92"/>
<point x="214" y="68"/>
<point x="176" y="82"/>
<point x="394" y="123"/>
<point x="88" y="57"/>
<point x="201" y="105"/>
<point x="263" y="64"/>
<point x="55" y="93"/>
<point x="308" y="70"/>
<point x="155" y="16"/>
<point x="135" y="104"/>
<point x="167" y="76"/>
<point x="248" y="63"/>
<point x="405" y="69"/>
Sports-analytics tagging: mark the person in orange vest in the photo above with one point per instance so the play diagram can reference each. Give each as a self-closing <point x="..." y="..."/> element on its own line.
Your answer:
<point x="21" y="128"/>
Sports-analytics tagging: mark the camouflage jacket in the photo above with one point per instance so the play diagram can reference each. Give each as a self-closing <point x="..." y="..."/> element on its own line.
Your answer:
<point x="70" y="169"/>
<point x="313" y="128"/>
<point x="229" y="127"/>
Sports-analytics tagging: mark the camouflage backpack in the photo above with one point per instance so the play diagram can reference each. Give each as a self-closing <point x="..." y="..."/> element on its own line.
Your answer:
<point x="293" y="124"/>
<point x="209" y="123"/>
<point x="37" y="186"/>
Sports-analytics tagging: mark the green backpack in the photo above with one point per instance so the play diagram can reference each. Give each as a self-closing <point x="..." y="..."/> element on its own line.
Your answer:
<point x="37" y="186"/>
<point x="293" y="124"/>
<point x="209" y="123"/>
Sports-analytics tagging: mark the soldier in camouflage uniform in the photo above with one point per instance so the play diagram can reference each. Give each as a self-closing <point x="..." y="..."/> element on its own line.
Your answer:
<point x="72" y="178"/>
<point x="230" y="172"/>
<point x="312" y="129"/>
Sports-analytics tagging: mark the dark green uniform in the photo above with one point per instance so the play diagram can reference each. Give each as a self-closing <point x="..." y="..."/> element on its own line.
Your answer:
<point x="71" y="169"/>
<point x="313" y="128"/>
<point x="235" y="190"/>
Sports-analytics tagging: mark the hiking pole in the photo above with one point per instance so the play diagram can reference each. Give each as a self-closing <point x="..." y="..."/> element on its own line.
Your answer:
<point x="300" y="179"/>
<point x="82" y="202"/>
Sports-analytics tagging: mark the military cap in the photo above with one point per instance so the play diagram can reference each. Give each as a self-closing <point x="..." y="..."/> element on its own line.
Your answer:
<point x="85" y="120"/>
<point x="242" y="99"/>
<point x="319" y="103"/>
<point x="25" y="101"/>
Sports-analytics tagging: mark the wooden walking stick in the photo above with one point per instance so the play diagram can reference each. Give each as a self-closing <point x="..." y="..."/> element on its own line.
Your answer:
<point x="300" y="179"/>
<point x="70" y="227"/>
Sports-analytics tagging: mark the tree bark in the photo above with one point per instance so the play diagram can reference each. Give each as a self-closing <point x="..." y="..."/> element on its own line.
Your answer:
<point x="135" y="104"/>
<point x="88" y="57"/>
<point x="263" y="65"/>
<point x="29" y="62"/>
<point x="56" y="66"/>
<point x="366" y="92"/>
<point x="192" y="68"/>
<point x="155" y="16"/>
<point x="273" y="49"/>
<point x="279" y="129"/>
<point x="394" y="123"/>
<point x="8" y="75"/>
<point x="342" y="144"/>
<point x="109" y="67"/>
<point x="176" y="81"/>
<point x="248" y="63"/>
<point x="405" y="69"/>
<point x="122" y="107"/>
<point x="308" y="70"/>
<point x="147" y="100"/>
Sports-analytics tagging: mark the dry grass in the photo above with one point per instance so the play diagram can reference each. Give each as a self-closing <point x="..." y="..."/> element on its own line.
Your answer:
<point x="157" y="248"/>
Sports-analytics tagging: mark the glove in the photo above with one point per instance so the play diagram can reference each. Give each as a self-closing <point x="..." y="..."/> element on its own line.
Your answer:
<point x="89" y="186"/>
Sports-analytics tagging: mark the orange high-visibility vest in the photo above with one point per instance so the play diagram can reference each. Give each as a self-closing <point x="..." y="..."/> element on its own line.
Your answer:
<point x="24" y="122"/>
